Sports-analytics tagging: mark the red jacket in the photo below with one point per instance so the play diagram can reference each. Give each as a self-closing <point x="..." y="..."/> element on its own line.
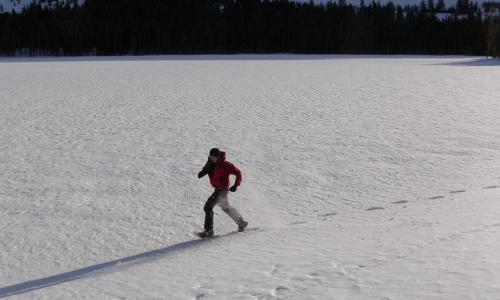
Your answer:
<point x="220" y="171"/>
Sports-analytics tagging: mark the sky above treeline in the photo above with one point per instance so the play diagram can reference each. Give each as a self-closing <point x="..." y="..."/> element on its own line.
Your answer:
<point x="17" y="5"/>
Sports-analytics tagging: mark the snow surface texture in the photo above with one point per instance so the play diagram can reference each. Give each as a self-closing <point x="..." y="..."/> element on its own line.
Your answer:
<point x="365" y="177"/>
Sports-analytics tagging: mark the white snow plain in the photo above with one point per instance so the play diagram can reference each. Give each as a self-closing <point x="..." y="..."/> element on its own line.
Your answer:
<point x="364" y="177"/>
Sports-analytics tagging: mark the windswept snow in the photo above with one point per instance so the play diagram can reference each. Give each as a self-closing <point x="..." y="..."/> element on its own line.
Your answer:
<point x="365" y="177"/>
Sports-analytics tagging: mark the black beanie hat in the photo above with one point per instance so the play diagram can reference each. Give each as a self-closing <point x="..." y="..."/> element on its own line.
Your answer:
<point x="214" y="152"/>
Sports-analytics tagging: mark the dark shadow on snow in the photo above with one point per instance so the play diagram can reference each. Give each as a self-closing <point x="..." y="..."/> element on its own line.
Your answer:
<point x="41" y="283"/>
<point x="374" y="208"/>
<point x="491" y="187"/>
<point x="400" y="202"/>
<point x="436" y="197"/>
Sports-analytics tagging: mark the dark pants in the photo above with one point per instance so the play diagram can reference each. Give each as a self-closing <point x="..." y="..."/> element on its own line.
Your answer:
<point x="220" y="198"/>
<point x="209" y="212"/>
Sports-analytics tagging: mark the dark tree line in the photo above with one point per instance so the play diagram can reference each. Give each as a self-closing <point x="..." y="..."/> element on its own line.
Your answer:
<point x="116" y="27"/>
<point x="493" y="38"/>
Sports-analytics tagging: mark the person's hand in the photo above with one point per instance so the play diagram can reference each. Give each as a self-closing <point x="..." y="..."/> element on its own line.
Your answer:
<point x="233" y="188"/>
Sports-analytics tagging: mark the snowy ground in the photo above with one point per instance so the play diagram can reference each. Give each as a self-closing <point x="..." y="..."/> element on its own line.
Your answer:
<point x="364" y="177"/>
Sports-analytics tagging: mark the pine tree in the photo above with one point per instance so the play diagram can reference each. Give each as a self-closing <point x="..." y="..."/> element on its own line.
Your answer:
<point x="494" y="37"/>
<point x="440" y="6"/>
<point x="430" y="5"/>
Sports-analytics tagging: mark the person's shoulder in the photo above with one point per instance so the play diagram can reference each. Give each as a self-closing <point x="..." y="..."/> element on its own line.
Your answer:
<point x="228" y="164"/>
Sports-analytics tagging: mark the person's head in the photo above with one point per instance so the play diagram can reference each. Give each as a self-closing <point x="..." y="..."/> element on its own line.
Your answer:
<point x="214" y="154"/>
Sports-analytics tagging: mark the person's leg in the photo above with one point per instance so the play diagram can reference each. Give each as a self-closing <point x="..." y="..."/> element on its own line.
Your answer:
<point x="231" y="211"/>
<point x="209" y="213"/>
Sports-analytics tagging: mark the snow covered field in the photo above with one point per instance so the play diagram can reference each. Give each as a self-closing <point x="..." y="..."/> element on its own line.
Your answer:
<point x="364" y="177"/>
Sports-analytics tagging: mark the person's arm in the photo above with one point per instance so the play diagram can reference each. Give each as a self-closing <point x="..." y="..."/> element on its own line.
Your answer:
<point x="204" y="171"/>
<point x="235" y="171"/>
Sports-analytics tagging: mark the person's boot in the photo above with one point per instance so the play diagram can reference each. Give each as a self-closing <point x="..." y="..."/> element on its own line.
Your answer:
<point x="206" y="234"/>
<point x="242" y="225"/>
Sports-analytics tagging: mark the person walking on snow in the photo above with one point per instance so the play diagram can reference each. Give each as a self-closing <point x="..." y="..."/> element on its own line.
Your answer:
<point x="218" y="170"/>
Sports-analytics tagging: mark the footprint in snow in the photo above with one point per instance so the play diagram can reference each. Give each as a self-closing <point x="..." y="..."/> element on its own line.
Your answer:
<point x="374" y="208"/>
<point x="436" y="197"/>
<point x="281" y="290"/>
<point x="457" y="191"/>
<point x="325" y="217"/>
<point x="297" y="223"/>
